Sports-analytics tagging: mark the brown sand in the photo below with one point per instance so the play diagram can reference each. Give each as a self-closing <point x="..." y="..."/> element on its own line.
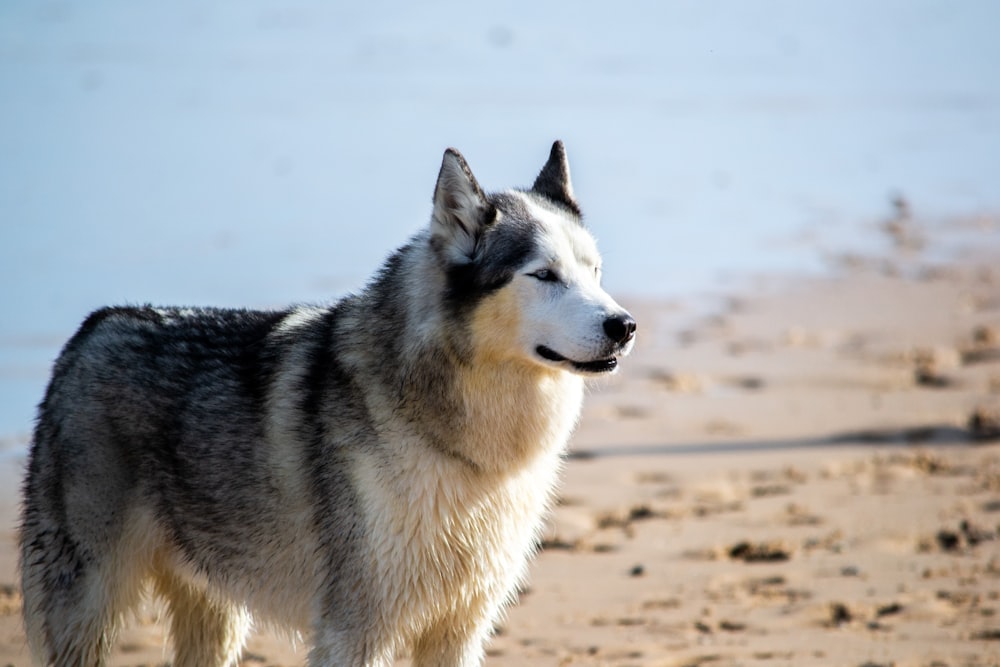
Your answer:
<point x="808" y="474"/>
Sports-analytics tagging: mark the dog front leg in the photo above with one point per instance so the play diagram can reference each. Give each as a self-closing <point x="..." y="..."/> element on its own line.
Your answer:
<point x="451" y="645"/>
<point x="339" y="648"/>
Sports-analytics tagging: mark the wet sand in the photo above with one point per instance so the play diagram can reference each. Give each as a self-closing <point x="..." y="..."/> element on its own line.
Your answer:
<point x="805" y="472"/>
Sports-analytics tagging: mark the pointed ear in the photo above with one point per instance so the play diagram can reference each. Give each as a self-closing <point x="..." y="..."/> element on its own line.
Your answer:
<point x="553" y="181"/>
<point x="461" y="210"/>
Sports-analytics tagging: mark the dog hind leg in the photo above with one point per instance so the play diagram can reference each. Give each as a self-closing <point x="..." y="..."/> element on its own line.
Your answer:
<point x="204" y="632"/>
<point x="73" y="603"/>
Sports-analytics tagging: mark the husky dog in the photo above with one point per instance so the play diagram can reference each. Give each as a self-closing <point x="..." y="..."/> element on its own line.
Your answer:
<point x="371" y="475"/>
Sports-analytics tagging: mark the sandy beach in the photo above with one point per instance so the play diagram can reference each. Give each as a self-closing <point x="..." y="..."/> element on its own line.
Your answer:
<point x="798" y="201"/>
<point x="805" y="471"/>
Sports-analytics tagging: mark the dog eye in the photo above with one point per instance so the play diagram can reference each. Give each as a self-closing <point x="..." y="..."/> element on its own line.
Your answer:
<point x="546" y="275"/>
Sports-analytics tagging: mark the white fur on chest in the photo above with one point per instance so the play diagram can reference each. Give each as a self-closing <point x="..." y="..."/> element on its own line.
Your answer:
<point x="449" y="541"/>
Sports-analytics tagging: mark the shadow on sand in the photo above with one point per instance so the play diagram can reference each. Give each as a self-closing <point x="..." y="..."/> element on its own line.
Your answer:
<point x="934" y="434"/>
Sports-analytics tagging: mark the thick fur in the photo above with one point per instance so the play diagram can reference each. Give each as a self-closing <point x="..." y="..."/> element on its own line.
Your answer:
<point x="371" y="475"/>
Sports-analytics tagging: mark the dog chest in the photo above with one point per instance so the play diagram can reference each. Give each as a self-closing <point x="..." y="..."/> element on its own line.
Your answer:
<point x="445" y="540"/>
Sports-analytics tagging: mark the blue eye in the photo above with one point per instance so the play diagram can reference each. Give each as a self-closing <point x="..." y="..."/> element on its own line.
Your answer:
<point x="546" y="276"/>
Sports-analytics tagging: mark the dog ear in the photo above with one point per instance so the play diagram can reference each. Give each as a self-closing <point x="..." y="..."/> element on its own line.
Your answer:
<point x="461" y="210"/>
<point x="553" y="181"/>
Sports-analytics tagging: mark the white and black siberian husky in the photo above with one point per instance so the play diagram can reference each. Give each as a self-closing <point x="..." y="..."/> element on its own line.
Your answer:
<point x="371" y="474"/>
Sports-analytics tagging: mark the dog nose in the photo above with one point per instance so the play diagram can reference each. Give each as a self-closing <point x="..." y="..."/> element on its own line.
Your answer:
<point x="620" y="328"/>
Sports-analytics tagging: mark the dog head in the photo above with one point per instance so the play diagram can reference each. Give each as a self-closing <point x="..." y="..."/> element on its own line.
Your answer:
<point x="524" y="273"/>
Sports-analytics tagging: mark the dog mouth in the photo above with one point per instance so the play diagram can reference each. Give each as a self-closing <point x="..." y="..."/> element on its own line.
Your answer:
<point x="595" y="366"/>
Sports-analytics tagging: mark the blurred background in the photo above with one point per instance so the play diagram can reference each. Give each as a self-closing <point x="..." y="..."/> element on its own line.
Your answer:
<point x="260" y="152"/>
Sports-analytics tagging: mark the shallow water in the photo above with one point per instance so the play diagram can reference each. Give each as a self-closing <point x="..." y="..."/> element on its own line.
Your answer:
<point x="256" y="153"/>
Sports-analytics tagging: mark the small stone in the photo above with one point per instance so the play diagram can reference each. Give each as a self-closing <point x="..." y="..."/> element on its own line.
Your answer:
<point x="761" y="552"/>
<point x="948" y="540"/>
<point x="889" y="609"/>
<point x="840" y="614"/>
<point x="984" y="422"/>
<point x="932" y="365"/>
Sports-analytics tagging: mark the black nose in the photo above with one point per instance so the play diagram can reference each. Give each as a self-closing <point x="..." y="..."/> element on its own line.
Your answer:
<point x="620" y="328"/>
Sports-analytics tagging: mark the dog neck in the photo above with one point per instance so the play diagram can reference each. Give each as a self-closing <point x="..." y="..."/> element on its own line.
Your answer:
<point x="513" y="414"/>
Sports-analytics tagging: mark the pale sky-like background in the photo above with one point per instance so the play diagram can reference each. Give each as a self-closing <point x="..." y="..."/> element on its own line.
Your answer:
<point x="260" y="152"/>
